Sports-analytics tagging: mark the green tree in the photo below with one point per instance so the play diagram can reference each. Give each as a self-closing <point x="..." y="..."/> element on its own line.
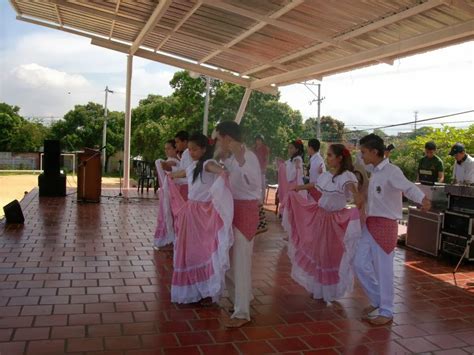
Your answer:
<point x="83" y="127"/>
<point x="332" y="129"/>
<point x="410" y="151"/>
<point x="10" y="120"/>
<point x="18" y="134"/>
<point x="29" y="136"/>
<point x="158" y="118"/>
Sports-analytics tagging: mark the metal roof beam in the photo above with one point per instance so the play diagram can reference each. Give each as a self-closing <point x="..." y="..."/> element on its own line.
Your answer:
<point x="463" y="30"/>
<point x="271" y="20"/>
<point x="180" y="63"/>
<point x="352" y="34"/>
<point x="251" y="30"/>
<point x="461" y="4"/>
<point x="157" y="14"/>
<point x="196" y="6"/>
<point x="98" y="13"/>
<point x="112" y="26"/>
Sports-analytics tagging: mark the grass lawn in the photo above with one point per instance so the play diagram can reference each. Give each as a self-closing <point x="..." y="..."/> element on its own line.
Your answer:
<point x="14" y="185"/>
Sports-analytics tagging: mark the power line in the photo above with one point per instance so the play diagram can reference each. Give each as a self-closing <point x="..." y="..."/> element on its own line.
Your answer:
<point x="445" y="122"/>
<point x="369" y="126"/>
<point x="417" y="121"/>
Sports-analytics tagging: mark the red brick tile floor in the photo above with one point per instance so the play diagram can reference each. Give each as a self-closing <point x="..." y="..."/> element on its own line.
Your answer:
<point x="84" y="279"/>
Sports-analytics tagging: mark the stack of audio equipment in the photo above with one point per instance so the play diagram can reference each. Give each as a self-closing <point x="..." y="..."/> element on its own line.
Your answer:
<point x="424" y="227"/>
<point x="457" y="229"/>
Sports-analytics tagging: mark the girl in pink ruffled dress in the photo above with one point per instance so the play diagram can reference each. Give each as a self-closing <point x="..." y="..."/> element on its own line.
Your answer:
<point x="164" y="233"/>
<point x="324" y="234"/>
<point x="203" y="227"/>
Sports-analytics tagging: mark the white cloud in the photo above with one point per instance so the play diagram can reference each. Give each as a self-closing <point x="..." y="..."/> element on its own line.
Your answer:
<point x="66" y="52"/>
<point x="36" y="76"/>
<point x="50" y="72"/>
<point x="41" y="91"/>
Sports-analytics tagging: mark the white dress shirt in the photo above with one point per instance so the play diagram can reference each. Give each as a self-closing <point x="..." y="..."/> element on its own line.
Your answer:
<point x="387" y="184"/>
<point x="335" y="190"/>
<point x="316" y="167"/>
<point x="185" y="161"/>
<point x="246" y="180"/>
<point x="200" y="190"/>
<point x="464" y="172"/>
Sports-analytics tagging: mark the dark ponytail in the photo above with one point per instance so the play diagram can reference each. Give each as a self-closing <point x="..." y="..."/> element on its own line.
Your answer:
<point x="203" y="142"/>
<point x="298" y="144"/>
<point x="340" y="150"/>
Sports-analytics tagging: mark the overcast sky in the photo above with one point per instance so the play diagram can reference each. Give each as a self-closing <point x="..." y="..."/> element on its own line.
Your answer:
<point x="46" y="72"/>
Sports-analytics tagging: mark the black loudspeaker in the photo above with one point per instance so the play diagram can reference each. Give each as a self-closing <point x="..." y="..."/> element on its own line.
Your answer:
<point x="52" y="157"/>
<point x="13" y="213"/>
<point x="52" y="182"/>
<point x="52" y="185"/>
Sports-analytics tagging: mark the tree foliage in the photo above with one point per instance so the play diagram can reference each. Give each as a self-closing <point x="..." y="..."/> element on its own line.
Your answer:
<point x="83" y="126"/>
<point x="18" y="134"/>
<point x="332" y="129"/>
<point x="409" y="152"/>
<point x="158" y="118"/>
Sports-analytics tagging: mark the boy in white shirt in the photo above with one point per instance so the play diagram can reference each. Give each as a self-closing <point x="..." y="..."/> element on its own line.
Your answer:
<point x="245" y="185"/>
<point x="374" y="256"/>
<point x="316" y="162"/>
<point x="464" y="166"/>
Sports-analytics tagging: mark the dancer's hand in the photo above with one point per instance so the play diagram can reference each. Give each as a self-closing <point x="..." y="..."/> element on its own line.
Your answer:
<point x="425" y="204"/>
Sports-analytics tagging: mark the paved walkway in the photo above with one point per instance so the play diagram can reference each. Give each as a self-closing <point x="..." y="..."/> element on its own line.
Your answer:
<point x="83" y="279"/>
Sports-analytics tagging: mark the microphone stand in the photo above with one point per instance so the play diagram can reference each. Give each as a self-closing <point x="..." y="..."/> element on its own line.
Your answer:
<point x="120" y="177"/>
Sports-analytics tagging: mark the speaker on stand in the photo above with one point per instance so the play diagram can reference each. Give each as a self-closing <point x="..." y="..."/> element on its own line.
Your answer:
<point x="51" y="182"/>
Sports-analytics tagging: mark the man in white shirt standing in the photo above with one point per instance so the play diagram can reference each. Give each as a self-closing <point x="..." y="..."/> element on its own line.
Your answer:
<point x="374" y="256"/>
<point x="464" y="167"/>
<point x="245" y="184"/>
<point x="316" y="162"/>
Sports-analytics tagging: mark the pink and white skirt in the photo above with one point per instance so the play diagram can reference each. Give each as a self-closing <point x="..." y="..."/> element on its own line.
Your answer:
<point x="164" y="233"/>
<point x="201" y="252"/>
<point x="321" y="247"/>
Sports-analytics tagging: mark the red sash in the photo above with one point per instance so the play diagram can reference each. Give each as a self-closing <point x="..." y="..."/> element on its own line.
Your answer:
<point x="315" y="193"/>
<point x="384" y="231"/>
<point x="246" y="217"/>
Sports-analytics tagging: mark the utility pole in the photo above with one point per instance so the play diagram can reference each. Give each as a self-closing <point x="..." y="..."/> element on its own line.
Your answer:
<point x="416" y="119"/>
<point x="319" y="100"/>
<point x="206" y="106"/>
<point x="318" y="121"/>
<point x="104" y="132"/>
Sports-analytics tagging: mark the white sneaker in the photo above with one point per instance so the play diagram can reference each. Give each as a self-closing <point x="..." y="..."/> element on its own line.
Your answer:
<point x="374" y="314"/>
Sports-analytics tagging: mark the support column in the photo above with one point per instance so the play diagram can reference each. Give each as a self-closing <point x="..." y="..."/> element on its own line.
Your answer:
<point x="243" y="105"/>
<point x="205" y="123"/>
<point x="128" y="121"/>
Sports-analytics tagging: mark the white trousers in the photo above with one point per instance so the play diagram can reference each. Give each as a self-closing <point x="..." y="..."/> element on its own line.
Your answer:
<point x="264" y="187"/>
<point x="239" y="276"/>
<point x="374" y="269"/>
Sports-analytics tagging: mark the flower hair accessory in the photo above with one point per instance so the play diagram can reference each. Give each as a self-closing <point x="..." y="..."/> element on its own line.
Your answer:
<point x="346" y="153"/>
<point x="299" y="141"/>
<point x="210" y="141"/>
